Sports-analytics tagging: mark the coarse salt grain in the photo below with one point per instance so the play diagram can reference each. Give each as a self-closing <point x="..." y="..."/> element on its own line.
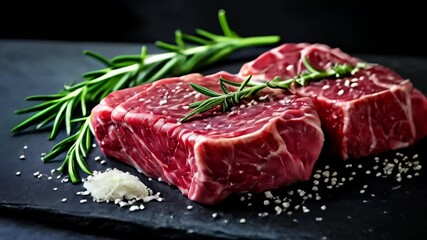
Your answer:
<point x="133" y="208"/>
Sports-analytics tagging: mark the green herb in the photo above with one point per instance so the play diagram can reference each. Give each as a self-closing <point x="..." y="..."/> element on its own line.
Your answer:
<point x="247" y="89"/>
<point x="70" y="107"/>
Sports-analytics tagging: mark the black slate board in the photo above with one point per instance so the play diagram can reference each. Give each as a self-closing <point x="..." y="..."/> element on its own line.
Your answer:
<point x="397" y="211"/>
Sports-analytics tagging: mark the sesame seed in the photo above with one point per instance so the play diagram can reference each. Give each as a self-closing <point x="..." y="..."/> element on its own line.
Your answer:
<point x="242" y="220"/>
<point x="354" y="84"/>
<point x="122" y="204"/>
<point x="103" y="162"/>
<point x="25" y="147"/>
<point x="417" y="167"/>
<point x="189" y="207"/>
<point x="242" y="198"/>
<point x="378" y="174"/>
<point x="94" y="145"/>
<point x="365" y="186"/>
<point x="97" y="158"/>
<point x="22" y="157"/>
<point x="295" y="220"/>
<point x="286" y="204"/>
<point x="416" y="174"/>
<point x="323" y="207"/>
<point x="362" y="191"/>
<point x="266" y="202"/>
<point x="83" y="201"/>
<point x="55" y="188"/>
<point x="18" y="173"/>
<point x="350" y="178"/>
<point x="415" y="156"/>
<point x="214" y="215"/>
<point x="319" y="219"/>
<point x="409" y="176"/>
<point x="340" y="92"/>
<point x="141" y="207"/>
<point x="64" y="200"/>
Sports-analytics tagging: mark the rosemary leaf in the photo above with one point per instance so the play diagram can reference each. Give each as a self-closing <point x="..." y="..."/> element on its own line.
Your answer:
<point x="247" y="89"/>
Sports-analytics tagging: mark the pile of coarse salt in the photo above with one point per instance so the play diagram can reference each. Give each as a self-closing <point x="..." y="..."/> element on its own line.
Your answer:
<point x="119" y="187"/>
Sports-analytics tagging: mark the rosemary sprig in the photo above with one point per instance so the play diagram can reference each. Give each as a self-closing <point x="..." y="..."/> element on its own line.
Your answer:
<point x="70" y="107"/>
<point x="247" y="89"/>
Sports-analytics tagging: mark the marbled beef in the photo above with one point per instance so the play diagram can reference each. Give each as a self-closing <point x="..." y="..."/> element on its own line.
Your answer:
<point x="263" y="143"/>
<point x="373" y="111"/>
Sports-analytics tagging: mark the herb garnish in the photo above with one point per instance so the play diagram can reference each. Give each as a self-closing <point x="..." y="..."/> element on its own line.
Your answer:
<point x="70" y="107"/>
<point x="247" y="89"/>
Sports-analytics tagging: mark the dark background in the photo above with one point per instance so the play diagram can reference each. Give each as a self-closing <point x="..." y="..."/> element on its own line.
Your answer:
<point x="389" y="27"/>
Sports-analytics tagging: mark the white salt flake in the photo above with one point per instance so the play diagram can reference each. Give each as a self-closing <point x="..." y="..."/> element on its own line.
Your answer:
<point x="114" y="184"/>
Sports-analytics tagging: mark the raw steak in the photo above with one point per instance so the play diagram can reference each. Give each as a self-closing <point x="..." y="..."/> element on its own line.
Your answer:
<point x="270" y="141"/>
<point x="373" y="111"/>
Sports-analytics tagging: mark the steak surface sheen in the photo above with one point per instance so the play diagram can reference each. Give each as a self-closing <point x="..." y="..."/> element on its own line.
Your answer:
<point x="264" y="143"/>
<point x="373" y="111"/>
